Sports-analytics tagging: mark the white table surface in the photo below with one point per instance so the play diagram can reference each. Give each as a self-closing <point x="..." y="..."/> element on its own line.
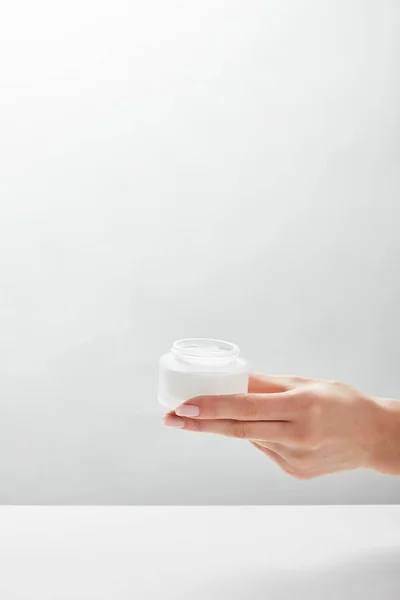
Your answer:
<point x="122" y="553"/>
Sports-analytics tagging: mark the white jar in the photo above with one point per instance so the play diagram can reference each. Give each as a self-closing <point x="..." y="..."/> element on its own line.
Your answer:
<point x="199" y="366"/>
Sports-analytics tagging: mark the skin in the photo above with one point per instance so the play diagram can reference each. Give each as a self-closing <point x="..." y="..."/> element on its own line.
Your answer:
<point x="308" y="427"/>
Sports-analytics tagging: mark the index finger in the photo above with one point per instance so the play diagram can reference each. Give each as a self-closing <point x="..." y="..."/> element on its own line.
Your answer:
<point x="241" y="407"/>
<point x="266" y="384"/>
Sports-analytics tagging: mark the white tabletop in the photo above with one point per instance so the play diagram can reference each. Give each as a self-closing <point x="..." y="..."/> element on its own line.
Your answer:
<point x="194" y="553"/>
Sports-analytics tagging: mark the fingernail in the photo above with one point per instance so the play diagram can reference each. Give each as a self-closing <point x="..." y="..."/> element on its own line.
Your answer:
<point x="172" y="421"/>
<point x="187" y="410"/>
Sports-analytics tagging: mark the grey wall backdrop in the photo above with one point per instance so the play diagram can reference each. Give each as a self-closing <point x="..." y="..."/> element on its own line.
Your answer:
<point x="169" y="169"/>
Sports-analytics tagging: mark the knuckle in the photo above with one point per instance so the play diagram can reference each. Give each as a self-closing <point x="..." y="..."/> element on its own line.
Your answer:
<point x="307" y="400"/>
<point x="248" y="408"/>
<point x="299" y="381"/>
<point x="306" y="437"/>
<point x="239" y="430"/>
<point x="194" y="424"/>
<point x="338" y="384"/>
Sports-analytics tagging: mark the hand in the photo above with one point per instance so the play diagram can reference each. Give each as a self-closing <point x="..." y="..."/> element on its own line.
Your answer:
<point x="308" y="427"/>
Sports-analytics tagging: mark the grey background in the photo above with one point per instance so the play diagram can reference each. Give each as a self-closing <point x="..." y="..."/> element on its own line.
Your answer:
<point x="169" y="169"/>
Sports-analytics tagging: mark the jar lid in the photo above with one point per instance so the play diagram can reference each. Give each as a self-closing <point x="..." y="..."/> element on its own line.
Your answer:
<point x="199" y="349"/>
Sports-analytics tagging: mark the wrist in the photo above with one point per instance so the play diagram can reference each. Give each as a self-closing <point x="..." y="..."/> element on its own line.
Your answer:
<point x="385" y="454"/>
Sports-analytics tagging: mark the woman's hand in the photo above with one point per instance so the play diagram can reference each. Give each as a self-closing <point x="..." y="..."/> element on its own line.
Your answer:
<point x="308" y="427"/>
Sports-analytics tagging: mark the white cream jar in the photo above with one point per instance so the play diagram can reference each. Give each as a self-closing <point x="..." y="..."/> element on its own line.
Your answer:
<point x="200" y="366"/>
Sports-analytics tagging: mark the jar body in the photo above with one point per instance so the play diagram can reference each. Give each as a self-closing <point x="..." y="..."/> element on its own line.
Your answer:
<point x="209" y="367"/>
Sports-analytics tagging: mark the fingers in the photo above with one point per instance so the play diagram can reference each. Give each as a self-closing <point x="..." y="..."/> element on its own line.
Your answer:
<point x="281" y="462"/>
<point x="242" y="407"/>
<point x="263" y="384"/>
<point x="269" y="431"/>
<point x="267" y="384"/>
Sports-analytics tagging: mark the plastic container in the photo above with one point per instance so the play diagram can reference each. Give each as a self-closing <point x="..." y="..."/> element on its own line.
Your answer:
<point x="200" y="366"/>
